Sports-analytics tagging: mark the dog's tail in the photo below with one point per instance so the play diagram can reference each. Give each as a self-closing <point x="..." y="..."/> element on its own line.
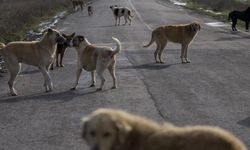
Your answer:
<point x="118" y="46"/>
<point x="151" y="41"/>
<point x="2" y="45"/>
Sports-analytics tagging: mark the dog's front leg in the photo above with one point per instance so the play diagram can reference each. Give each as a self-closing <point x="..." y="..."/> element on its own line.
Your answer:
<point x="78" y="73"/>
<point x="112" y="73"/>
<point x="185" y="54"/>
<point x="47" y="79"/>
<point x="93" y="79"/>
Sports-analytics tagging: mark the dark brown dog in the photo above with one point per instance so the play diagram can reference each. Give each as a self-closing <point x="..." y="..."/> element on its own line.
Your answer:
<point x="90" y="10"/>
<point x="77" y="3"/>
<point x="61" y="48"/>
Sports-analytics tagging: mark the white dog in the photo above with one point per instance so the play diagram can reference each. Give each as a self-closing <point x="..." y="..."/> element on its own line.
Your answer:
<point x="95" y="58"/>
<point x="121" y="11"/>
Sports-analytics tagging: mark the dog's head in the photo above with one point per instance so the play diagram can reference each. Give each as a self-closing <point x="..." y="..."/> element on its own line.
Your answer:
<point x="104" y="129"/>
<point x="55" y="36"/>
<point x="195" y="27"/>
<point x="78" y="41"/>
<point x="68" y="38"/>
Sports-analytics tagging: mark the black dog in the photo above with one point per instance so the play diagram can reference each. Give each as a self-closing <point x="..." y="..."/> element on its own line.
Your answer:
<point x="61" y="48"/>
<point x="241" y="15"/>
<point x="90" y="10"/>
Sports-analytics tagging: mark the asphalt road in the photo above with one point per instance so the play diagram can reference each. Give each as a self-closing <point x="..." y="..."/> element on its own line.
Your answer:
<point x="213" y="89"/>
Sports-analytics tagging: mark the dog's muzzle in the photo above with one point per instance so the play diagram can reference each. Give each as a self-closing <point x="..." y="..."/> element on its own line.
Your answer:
<point x="95" y="147"/>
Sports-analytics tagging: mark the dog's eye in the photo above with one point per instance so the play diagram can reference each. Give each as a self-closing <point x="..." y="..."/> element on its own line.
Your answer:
<point x="106" y="134"/>
<point x="92" y="133"/>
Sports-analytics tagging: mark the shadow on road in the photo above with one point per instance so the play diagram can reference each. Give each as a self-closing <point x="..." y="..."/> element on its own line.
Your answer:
<point x="59" y="96"/>
<point x="245" y="122"/>
<point x="150" y="66"/>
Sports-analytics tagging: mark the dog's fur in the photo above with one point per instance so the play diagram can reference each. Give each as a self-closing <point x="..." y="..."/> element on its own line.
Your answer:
<point x="183" y="34"/>
<point x="77" y="3"/>
<point x="2" y="45"/>
<point x="61" y="48"/>
<point x="35" y="53"/>
<point x="241" y="15"/>
<point x="109" y="129"/>
<point x="90" y="10"/>
<point x="121" y="11"/>
<point x="95" y="59"/>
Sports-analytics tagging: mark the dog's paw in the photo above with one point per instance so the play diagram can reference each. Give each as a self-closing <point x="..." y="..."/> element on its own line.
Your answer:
<point x="157" y="62"/>
<point x="72" y="89"/>
<point x="99" y="89"/>
<point x="92" y="85"/>
<point x="114" y="87"/>
<point x="13" y="94"/>
<point x="162" y="62"/>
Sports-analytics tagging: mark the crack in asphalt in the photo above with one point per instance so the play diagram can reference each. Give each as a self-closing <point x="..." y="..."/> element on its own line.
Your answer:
<point x="148" y="90"/>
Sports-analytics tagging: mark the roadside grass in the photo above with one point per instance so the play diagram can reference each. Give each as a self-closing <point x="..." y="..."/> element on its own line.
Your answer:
<point x="218" y="9"/>
<point x="17" y="17"/>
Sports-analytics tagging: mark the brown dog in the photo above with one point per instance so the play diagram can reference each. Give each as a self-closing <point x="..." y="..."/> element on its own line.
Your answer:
<point x="109" y="129"/>
<point x="61" y="48"/>
<point x="183" y="34"/>
<point x="35" y="53"/>
<point x="77" y="3"/>
<point x="95" y="58"/>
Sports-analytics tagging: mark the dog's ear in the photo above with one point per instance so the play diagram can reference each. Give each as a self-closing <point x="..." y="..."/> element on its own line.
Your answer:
<point x="123" y="129"/>
<point x="49" y="30"/>
<point x="81" y="38"/>
<point x="64" y="35"/>
<point x="84" y="126"/>
<point x="73" y="35"/>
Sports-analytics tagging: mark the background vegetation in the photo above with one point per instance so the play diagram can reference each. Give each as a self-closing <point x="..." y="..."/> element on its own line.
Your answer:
<point x="19" y="16"/>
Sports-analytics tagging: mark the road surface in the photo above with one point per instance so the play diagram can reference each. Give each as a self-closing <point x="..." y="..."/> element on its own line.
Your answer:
<point x="214" y="89"/>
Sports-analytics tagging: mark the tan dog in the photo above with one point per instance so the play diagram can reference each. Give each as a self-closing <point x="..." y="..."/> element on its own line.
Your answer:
<point x="35" y="53"/>
<point x="109" y="129"/>
<point x="95" y="58"/>
<point x="183" y="34"/>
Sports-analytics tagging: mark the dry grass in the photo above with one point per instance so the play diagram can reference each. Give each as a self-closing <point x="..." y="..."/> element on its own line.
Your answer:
<point x="19" y="16"/>
<point x="223" y="5"/>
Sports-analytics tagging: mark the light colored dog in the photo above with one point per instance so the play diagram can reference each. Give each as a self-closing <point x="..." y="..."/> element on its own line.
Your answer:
<point x="95" y="59"/>
<point x="183" y="34"/>
<point x="109" y="129"/>
<point x="35" y="53"/>
<point x="121" y="11"/>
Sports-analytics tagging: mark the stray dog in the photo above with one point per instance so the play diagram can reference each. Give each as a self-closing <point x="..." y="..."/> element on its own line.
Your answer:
<point x="36" y="53"/>
<point x="241" y="15"/>
<point x="77" y="3"/>
<point x="61" y="48"/>
<point x="183" y="34"/>
<point x="121" y="11"/>
<point x="90" y="10"/>
<point x="95" y="58"/>
<point x="109" y="129"/>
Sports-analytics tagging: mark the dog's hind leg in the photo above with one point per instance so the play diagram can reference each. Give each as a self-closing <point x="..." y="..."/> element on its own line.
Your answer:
<point x="125" y="18"/>
<point x="100" y="68"/>
<point x="78" y="73"/>
<point x="14" y="70"/>
<point x="93" y="79"/>
<point x="112" y="73"/>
